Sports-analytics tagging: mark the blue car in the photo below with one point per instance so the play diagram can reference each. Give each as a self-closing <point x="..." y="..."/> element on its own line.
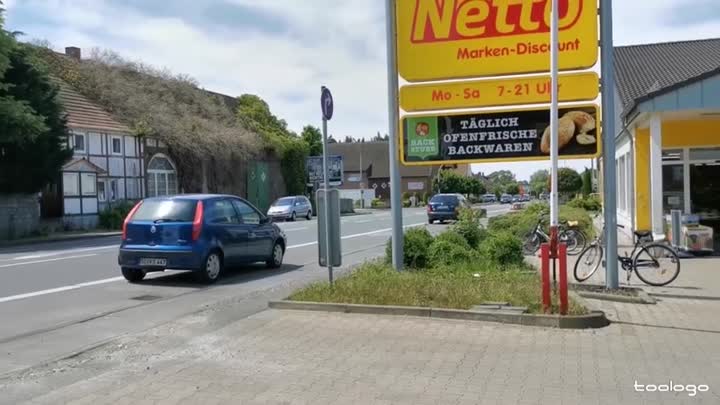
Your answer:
<point x="202" y="233"/>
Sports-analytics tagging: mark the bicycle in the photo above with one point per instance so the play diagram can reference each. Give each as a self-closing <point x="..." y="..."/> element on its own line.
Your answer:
<point x="574" y="239"/>
<point x="646" y="254"/>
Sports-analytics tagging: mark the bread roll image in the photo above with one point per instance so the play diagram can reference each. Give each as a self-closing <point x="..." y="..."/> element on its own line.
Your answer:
<point x="566" y="132"/>
<point x="585" y="139"/>
<point x="584" y="121"/>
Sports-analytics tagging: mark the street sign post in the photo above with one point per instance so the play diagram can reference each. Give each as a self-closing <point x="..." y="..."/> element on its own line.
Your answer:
<point x="393" y="113"/>
<point x="327" y="106"/>
<point x="329" y="241"/>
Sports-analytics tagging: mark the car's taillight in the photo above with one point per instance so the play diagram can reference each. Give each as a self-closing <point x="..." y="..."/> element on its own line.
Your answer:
<point x="128" y="218"/>
<point x="197" y="221"/>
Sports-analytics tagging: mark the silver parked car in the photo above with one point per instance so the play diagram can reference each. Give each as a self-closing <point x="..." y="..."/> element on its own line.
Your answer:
<point x="290" y="208"/>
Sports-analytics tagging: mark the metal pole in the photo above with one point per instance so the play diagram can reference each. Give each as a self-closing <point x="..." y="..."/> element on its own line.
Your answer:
<point x="327" y="203"/>
<point x="608" y="134"/>
<point x="554" y="118"/>
<point x="395" y="183"/>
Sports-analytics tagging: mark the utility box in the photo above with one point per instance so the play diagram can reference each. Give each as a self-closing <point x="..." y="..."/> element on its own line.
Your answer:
<point x="333" y="235"/>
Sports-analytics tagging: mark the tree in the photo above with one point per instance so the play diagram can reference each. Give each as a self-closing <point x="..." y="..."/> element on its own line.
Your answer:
<point x="512" y="188"/>
<point x="587" y="182"/>
<point x="32" y="124"/>
<point x="313" y="139"/>
<point x="539" y="182"/>
<point x="449" y="182"/>
<point x="569" y="181"/>
<point x="254" y="114"/>
<point x="349" y="139"/>
<point x="474" y="186"/>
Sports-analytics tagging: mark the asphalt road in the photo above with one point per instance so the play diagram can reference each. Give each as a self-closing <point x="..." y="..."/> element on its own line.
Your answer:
<point x="60" y="298"/>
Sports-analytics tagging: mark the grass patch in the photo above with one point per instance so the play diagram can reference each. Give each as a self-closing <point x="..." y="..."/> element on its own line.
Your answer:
<point x="456" y="287"/>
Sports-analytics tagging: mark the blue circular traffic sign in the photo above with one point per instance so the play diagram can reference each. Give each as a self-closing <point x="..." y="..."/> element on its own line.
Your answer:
<point x="326" y="103"/>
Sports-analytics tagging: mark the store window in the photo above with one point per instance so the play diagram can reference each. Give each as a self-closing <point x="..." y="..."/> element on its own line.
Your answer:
<point x="673" y="188"/>
<point x="672" y="155"/>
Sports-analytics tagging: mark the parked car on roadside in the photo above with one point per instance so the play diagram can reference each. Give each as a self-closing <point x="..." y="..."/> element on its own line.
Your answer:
<point x="290" y="208"/>
<point x="202" y="233"/>
<point x="444" y="207"/>
<point x="506" y="199"/>
<point x="525" y="197"/>
<point x="489" y="198"/>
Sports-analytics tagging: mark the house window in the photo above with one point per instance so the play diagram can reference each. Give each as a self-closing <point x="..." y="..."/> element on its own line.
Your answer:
<point x="79" y="142"/>
<point x="116" y="145"/>
<point x="162" y="177"/>
<point x="102" y="196"/>
<point x="71" y="186"/>
<point x="88" y="181"/>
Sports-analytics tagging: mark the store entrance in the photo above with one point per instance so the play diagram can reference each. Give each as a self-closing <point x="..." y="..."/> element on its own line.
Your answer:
<point x="705" y="196"/>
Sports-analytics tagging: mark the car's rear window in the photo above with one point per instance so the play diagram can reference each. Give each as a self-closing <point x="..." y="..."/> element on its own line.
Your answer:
<point x="284" y="201"/>
<point x="166" y="210"/>
<point x="444" y="199"/>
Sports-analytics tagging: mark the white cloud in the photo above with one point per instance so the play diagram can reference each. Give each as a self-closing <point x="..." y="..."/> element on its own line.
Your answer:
<point x="337" y="43"/>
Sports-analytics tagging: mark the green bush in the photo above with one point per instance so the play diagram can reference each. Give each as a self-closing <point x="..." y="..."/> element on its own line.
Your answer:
<point x="377" y="203"/>
<point x="589" y="203"/>
<point x="425" y="198"/>
<point x="446" y="252"/>
<point x="522" y="222"/>
<point x="468" y="225"/>
<point x="502" y="248"/>
<point x="415" y="248"/>
<point x="406" y="203"/>
<point x="114" y="217"/>
<point x="453" y="237"/>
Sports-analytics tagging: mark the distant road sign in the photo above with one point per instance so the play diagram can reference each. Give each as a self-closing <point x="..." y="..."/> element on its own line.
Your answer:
<point x="497" y="92"/>
<point x="314" y="165"/>
<point x="326" y="103"/>
<point x="499" y="136"/>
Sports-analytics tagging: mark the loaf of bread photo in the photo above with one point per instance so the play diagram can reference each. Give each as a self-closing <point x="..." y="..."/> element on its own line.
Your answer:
<point x="566" y="132"/>
<point x="583" y="121"/>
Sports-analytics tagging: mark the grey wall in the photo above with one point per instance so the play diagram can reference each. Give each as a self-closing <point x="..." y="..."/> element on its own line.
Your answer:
<point x="19" y="215"/>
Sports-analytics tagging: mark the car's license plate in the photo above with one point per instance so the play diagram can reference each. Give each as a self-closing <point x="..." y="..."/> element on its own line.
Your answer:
<point x="152" y="262"/>
<point x="442" y="207"/>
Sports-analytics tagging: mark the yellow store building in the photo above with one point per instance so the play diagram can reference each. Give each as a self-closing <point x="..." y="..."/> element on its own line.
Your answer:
<point x="667" y="99"/>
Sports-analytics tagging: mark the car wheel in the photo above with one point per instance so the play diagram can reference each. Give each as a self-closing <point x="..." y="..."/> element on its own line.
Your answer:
<point x="431" y="221"/>
<point x="292" y="216"/>
<point x="275" y="261"/>
<point x="133" y="275"/>
<point x="309" y="215"/>
<point x="212" y="268"/>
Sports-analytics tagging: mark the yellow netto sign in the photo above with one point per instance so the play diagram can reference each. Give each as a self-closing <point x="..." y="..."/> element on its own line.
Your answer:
<point x="489" y="93"/>
<point x="448" y="39"/>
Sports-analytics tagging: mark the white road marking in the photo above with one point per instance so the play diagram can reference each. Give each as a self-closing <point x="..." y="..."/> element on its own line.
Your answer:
<point x="47" y="260"/>
<point x="364" y="221"/>
<point x="59" y="289"/>
<point x="295" y="229"/>
<point x="357" y="235"/>
<point x="62" y="252"/>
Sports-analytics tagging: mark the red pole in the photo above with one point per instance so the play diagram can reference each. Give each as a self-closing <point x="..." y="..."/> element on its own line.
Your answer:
<point x="563" y="280"/>
<point x="545" y="268"/>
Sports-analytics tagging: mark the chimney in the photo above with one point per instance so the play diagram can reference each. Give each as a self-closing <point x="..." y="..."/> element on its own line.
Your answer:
<point x="73" y="52"/>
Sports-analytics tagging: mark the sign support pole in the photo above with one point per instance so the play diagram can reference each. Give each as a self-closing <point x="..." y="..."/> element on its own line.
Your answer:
<point x="554" y="118"/>
<point x="608" y="134"/>
<point x="395" y="182"/>
<point x="326" y="182"/>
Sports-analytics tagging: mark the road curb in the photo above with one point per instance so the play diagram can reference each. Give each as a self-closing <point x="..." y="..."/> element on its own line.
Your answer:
<point x="60" y="238"/>
<point x="642" y="297"/>
<point x="593" y="320"/>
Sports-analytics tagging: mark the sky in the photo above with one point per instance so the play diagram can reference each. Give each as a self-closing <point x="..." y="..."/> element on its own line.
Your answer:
<point x="285" y="50"/>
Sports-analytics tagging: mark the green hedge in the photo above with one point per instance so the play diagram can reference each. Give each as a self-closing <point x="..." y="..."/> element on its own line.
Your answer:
<point x="114" y="217"/>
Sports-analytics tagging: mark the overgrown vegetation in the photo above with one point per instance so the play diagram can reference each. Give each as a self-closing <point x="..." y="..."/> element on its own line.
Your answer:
<point x="449" y="181"/>
<point x="521" y="222"/>
<point x="588" y="203"/>
<point x="114" y="217"/>
<point x="443" y="272"/>
<point x="32" y="126"/>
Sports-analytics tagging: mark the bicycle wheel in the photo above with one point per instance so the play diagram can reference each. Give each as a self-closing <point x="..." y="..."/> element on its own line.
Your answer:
<point x="575" y="241"/>
<point x="656" y="264"/>
<point x="531" y="243"/>
<point x="588" y="262"/>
